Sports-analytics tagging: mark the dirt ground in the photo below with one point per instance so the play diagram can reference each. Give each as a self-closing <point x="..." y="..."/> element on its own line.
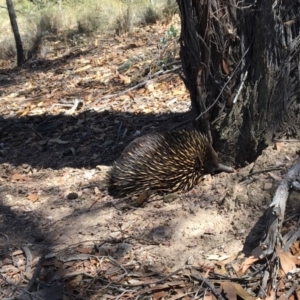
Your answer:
<point x="54" y="209"/>
<point x="53" y="197"/>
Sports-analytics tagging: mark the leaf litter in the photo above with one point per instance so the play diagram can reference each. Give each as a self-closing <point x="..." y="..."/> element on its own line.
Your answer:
<point x="64" y="119"/>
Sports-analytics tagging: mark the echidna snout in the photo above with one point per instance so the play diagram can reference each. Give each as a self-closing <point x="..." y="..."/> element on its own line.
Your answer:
<point x="211" y="162"/>
<point x="169" y="161"/>
<point x="223" y="168"/>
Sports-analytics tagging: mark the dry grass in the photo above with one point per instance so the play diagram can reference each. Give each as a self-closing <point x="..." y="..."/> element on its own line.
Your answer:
<point x="75" y="17"/>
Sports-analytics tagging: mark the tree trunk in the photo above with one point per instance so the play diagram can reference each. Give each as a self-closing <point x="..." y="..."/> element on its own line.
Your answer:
<point x="14" y="26"/>
<point x="241" y="62"/>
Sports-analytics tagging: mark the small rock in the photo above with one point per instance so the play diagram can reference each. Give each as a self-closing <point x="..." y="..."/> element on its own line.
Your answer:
<point x="170" y="197"/>
<point x="123" y="249"/>
<point x="190" y="260"/>
<point x="72" y="196"/>
<point x="38" y="237"/>
<point x="242" y="199"/>
<point x="160" y="233"/>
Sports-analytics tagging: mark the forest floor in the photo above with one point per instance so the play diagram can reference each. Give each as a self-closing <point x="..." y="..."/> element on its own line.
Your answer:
<point x="60" y="131"/>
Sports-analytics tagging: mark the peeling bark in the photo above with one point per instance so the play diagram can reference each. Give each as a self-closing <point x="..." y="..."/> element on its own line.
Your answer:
<point x="241" y="63"/>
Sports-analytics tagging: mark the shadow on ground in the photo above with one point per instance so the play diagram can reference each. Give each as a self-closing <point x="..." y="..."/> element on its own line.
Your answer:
<point x="85" y="140"/>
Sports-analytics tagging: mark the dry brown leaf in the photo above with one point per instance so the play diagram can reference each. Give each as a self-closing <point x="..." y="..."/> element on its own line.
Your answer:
<point x="221" y="268"/>
<point x="77" y="281"/>
<point x="83" y="69"/>
<point x="147" y="111"/>
<point x="232" y="258"/>
<point x="248" y="262"/>
<point x="38" y="111"/>
<point x="149" y="86"/>
<point x="296" y="259"/>
<point x="180" y="295"/>
<point x="292" y="297"/>
<point x="275" y="176"/>
<point x="159" y="295"/>
<point x="283" y="297"/>
<point x="55" y="236"/>
<point x="157" y="205"/>
<point x="19" y="177"/>
<point x="271" y="296"/>
<point x="124" y="79"/>
<point x="217" y="257"/>
<point x="236" y="267"/>
<point x="141" y="198"/>
<point x="279" y="146"/>
<point x="131" y="95"/>
<point x="295" y="248"/>
<point x="33" y="197"/>
<point x="209" y="296"/>
<point x="127" y="225"/>
<point x="229" y="290"/>
<point x="178" y="92"/>
<point x="140" y="91"/>
<point x="130" y="46"/>
<point x="85" y="250"/>
<point x="177" y="283"/>
<point x="97" y="191"/>
<point x="22" y="113"/>
<point x="155" y="286"/>
<point x="295" y="252"/>
<point x="287" y="263"/>
<point x="242" y="293"/>
<point x="280" y="286"/>
<point x="298" y="293"/>
<point x="233" y="290"/>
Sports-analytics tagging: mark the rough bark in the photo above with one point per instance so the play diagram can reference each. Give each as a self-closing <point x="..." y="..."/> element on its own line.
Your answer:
<point x="14" y="26"/>
<point x="241" y="65"/>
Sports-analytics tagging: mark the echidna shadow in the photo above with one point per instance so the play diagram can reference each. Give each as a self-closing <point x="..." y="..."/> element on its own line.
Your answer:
<point x="163" y="162"/>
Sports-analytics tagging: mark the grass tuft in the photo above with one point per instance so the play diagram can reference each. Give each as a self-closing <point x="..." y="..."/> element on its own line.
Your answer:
<point x="151" y="16"/>
<point x="74" y="18"/>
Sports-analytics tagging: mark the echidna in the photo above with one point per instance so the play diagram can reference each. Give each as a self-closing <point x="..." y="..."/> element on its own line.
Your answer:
<point x="169" y="161"/>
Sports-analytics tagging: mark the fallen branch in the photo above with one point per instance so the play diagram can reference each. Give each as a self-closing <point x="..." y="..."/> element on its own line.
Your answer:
<point x="209" y="285"/>
<point x="152" y="282"/>
<point x="261" y="171"/>
<point x="35" y="274"/>
<point x="28" y="255"/>
<point x="276" y="213"/>
<point x="139" y="85"/>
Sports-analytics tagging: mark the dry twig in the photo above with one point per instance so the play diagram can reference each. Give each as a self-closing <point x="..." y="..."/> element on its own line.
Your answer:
<point x="139" y="85"/>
